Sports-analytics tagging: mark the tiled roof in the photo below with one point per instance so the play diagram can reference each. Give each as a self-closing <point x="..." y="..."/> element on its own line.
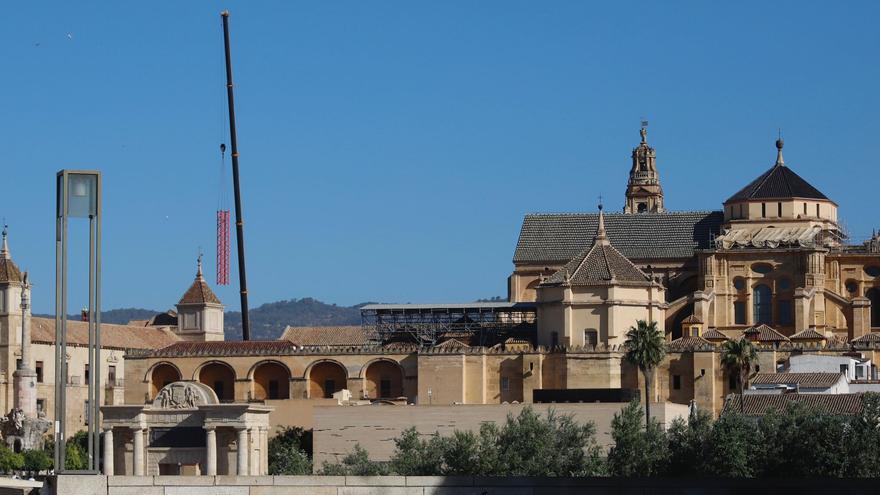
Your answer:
<point x="224" y="348"/>
<point x="714" y="334"/>
<point x="808" y="334"/>
<point x="778" y="182"/>
<point x="764" y="333"/>
<point x="326" y="336"/>
<point x="808" y="380"/>
<point x="452" y="344"/>
<point x="692" y="320"/>
<point x="199" y="293"/>
<point x="9" y="271"/>
<point x="689" y="342"/>
<point x="556" y="238"/>
<point x="112" y="336"/>
<point x="760" y="404"/>
<point x="867" y="338"/>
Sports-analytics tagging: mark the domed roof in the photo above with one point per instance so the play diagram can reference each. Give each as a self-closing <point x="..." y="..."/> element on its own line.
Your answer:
<point x="9" y="271"/>
<point x="778" y="182"/>
<point x="199" y="292"/>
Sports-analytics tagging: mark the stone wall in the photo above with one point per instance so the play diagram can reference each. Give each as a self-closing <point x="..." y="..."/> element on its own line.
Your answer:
<point x="338" y="428"/>
<point x="430" y="485"/>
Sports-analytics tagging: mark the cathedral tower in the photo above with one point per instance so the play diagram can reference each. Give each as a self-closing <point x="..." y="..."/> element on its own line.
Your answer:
<point x="200" y="312"/>
<point x="643" y="192"/>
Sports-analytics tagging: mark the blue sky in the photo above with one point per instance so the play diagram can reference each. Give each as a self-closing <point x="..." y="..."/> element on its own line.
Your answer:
<point x="389" y="150"/>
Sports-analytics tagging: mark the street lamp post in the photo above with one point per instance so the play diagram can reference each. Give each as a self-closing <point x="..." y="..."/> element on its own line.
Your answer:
<point x="78" y="196"/>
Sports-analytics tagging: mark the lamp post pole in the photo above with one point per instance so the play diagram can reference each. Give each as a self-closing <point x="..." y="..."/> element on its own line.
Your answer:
<point x="78" y="196"/>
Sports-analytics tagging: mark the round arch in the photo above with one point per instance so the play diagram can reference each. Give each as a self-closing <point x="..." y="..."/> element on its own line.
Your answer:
<point x="270" y="379"/>
<point x="161" y="374"/>
<point x="325" y="377"/>
<point x="383" y="379"/>
<point x="873" y="294"/>
<point x="218" y="375"/>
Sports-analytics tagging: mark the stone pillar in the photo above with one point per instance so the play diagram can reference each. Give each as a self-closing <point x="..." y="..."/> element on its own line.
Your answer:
<point x="138" y="451"/>
<point x="254" y="453"/>
<point x="861" y="320"/>
<point x="242" y="446"/>
<point x="211" y="451"/>
<point x="25" y="378"/>
<point x="108" y="451"/>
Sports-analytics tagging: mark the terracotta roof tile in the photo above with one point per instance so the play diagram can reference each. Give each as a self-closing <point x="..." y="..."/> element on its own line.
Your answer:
<point x="764" y="333"/>
<point x="692" y="320"/>
<point x="778" y="182"/>
<point x="808" y="380"/>
<point x="199" y="293"/>
<point x="224" y="348"/>
<point x="760" y="404"/>
<point x="867" y="338"/>
<point x="9" y="271"/>
<point x="714" y="334"/>
<point x="600" y="264"/>
<point x="327" y="336"/>
<point x="689" y="343"/>
<point x="808" y="334"/>
<point x="112" y="336"/>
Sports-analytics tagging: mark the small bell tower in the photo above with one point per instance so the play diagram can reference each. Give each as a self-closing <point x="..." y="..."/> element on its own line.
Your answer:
<point x="643" y="192"/>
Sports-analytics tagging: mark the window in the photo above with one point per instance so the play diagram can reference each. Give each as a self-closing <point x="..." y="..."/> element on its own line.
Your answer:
<point x="273" y="389"/>
<point x="643" y="207"/>
<point x="329" y="388"/>
<point x="852" y="286"/>
<point x="779" y="210"/>
<point x="41" y="405"/>
<point x="784" y="284"/>
<point x="39" y="371"/>
<point x="111" y="375"/>
<point x="739" y="312"/>
<point x="872" y="271"/>
<point x="763" y="210"/>
<point x="591" y="338"/>
<point x="676" y="382"/>
<point x="860" y="372"/>
<point x="2" y="301"/>
<point x="844" y="369"/>
<point x="739" y="283"/>
<point x="86" y="375"/>
<point x="18" y="364"/>
<point x="817" y="209"/>
<point x="88" y="413"/>
<point x="874" y="295"/>
<point x="763" y="304"/>
<point x="762" y="268"/>
<point x="554" y="339"/>
<point x="783" y="307"/>
<point x="805" y="208"/>
<point x="505" y="384"/>
<point x="741" y="210"/>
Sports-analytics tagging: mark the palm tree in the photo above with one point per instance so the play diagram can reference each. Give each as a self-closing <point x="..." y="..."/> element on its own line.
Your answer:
<point x="645" y="348"/>
<point x="737" y="356"/>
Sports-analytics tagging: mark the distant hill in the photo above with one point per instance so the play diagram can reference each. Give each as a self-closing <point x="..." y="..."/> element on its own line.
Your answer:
<point x="119" y="316"/>
<point x="269" y="320"/>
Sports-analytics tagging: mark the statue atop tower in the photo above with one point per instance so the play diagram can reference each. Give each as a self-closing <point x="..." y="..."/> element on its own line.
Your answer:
<point x="643" y="192"/>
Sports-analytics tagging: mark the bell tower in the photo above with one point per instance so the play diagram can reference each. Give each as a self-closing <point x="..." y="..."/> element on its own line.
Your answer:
<point x="643" y="192"/>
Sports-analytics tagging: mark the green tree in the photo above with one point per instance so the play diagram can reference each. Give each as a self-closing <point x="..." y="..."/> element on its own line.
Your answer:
<point x="737" y="357"/>
<point x="9" y="460"/>
<point x="645" y="348"/>
<point x="731" y="451"/>
<point x="687" y="443"/>
<point x="637" y="450"/>
<point x="414" y="456"/>
<point x="862" y="438"/>
<point x="288" y="452"/>
<point x="357" y="463"/>
<point x="802" y="442"/>
<point x="36" y="461"/>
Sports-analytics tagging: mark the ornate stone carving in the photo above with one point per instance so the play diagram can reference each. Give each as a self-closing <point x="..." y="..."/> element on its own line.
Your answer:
<point x="184" y="395"/>
<point x="21" y="432"/>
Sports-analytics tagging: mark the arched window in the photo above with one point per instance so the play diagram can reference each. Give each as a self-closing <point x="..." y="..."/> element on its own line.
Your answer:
<point x="874" y="295"/>
<point x="763" y="304"/>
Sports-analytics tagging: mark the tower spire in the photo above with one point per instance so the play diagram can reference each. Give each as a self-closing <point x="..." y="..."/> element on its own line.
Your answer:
<point x="643" y="191"/>
<point x="4" y="250"/>
<point x="601" y="238"/>
<point x="199" y="272"/>
<point x="779" y="143"/>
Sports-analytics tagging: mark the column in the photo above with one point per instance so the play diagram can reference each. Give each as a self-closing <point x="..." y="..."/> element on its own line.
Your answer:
<point x="211" y="457"/>
<point x="242" y="445"/>
<point x="264" y="454"/>
<point x="138" y="451"/>
<point x="254" y="452"/>
<point x="108" y="451"/>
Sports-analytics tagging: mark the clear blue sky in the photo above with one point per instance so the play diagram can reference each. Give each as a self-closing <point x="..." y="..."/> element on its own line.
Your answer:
<point x="389" y="150"/>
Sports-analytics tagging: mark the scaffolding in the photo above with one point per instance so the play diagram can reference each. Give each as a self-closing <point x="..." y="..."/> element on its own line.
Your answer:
<point x="426" y="324"/>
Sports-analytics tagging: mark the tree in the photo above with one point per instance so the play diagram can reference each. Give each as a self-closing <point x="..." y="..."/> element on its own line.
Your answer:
<point x="801" y="442"/>
<point x="288" y="452"/>
<point x="9" y="460"/>
<point x="862" y="438"/>
<point x="731" y="449"/>
<point x="357" y="463"/>
<point x="36" y="461"/>
<point x="414" y="456"/>
<point x="637" y="451"/>
<point x="687" y="443"/>
<point x="645" y="348"/>
<point x="737" y="357"/>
